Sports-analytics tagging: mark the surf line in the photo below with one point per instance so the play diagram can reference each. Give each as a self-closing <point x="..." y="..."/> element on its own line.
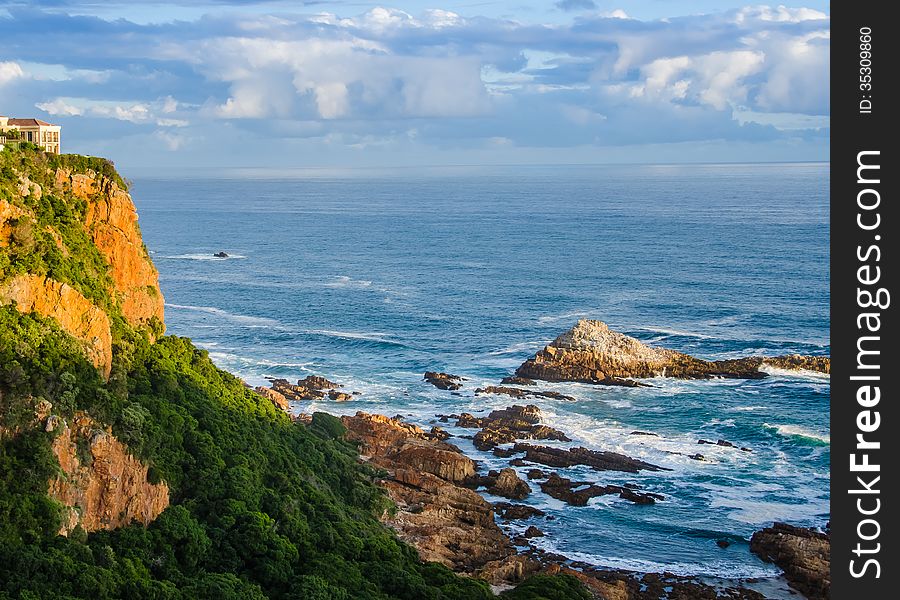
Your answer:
<point x="871" y="299"/>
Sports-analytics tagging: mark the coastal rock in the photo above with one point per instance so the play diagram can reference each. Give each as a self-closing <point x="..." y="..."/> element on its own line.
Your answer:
<point x="75" y="314"/>
<point x="277" y="398"/>
<point x="575" y="493"/>
<point x="311" y="387"/>
<point x="508" y="425"/>
<point x="514" y="380"/>
<point x="591" y="352"/>
<point x="521" y="393"/>
<point x="509" y="485"/>
<point x="443" y="520"/>
<point x="443" y="381"/>
<point x="101" y="485"/>
<point x="515" y="512"/>
<point x="597" y="460"/>
<point x="533" y="532"/>
<point x="803" y="554"/>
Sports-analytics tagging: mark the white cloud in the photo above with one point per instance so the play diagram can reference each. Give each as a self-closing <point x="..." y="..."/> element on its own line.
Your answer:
<point x="59" y="107"/>
<point x="9" y="71"/>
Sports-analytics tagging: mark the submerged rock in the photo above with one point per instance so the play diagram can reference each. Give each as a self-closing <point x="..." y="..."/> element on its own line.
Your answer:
<point x="803" y="554"/>
<point x="220" y="255"/>
<point x="591" y="352"/>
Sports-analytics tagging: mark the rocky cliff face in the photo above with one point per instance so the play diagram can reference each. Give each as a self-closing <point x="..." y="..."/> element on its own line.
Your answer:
<point x="591" y="352"/>
<point x="101" y="485"/>
<point x="111" y="220"/>
<point x="75" y="314"/>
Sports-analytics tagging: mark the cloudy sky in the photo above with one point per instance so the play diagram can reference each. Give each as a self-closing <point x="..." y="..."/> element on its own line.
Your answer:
<point x="241" y="83"/>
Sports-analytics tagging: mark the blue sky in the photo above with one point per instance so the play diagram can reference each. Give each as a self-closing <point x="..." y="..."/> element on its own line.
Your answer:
<point x="237" y="83"/>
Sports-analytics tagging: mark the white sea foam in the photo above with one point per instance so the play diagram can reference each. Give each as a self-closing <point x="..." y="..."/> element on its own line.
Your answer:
<point x="733" y="569"/>
<point x="748" y="408"/>
<point x="799" y="431"/>
<point x="247" y="320"/>
<point x="795" y="373"/>
<point x="209" y="256"/>
<point x="676" y="332"/>
<point x="519" y="348"/>
<point x="374" y="336"/>
<point x="563" y="317"/>
<point x="343" y="281"/>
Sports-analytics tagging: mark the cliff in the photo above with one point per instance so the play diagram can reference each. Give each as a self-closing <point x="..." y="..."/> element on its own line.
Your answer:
<point x="591" y="352"/>
<point x="102" y="486"/>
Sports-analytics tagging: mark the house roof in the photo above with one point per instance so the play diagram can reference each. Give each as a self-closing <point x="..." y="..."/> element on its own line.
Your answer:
<point x="28" y="122"/>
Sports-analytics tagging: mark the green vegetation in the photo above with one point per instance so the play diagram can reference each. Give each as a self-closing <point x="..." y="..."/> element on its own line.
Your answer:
<point x="547" y="587"/>
<point x="261" y="507"/>
<point x="49" y="239"/>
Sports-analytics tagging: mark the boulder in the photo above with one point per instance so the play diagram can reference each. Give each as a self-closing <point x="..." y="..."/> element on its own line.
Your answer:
<point x="509" y="485"/>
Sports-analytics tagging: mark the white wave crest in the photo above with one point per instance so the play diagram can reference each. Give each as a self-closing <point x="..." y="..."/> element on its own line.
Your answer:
<point x="799" y="431"/>
<point x="246" y="320"/>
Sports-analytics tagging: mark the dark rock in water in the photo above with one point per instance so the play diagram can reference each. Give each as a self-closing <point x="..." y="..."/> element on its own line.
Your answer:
<point x="504" y="452"/>
<point x="443" y="381"/>
<point x="803" y="554"/>
<point x="572" y="492"/>
<point x="699" y="457"/>
<point x="508" y="484"/>
<point x="536" y="474"/>
<point x="438" y="433"/>
<point x="529" y="414"/>
<point x="339" y="396"/>
<point x="533" y="532"/>
<point x="599" y="461"/>
<point x="310" y="388"/>
<point x="723" y="543"/>
<point x="520" y="393"/>
<point x="513" y="380"/>
<point x="515" y="512"/>
<point x="508" y="425"/>
<point x="592" y="353"/>
<point x="644" y="433"/>
<point x="220" y="255"/>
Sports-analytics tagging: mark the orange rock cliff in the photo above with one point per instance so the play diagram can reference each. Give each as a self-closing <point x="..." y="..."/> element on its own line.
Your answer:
<point x="100" y="484"/>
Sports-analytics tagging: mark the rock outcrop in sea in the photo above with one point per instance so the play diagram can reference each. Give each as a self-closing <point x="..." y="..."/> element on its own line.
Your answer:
<point x="591" y="352"/>
<point x="803" y="554"/>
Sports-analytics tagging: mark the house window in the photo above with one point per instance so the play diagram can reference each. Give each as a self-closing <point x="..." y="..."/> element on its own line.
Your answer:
<point x="30" y="137"/>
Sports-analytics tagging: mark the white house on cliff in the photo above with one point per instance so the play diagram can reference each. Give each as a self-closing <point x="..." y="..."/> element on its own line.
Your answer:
<point x="39" y="132"/>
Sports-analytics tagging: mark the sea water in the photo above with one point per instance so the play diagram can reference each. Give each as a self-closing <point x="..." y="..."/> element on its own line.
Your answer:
<point x="371" y="278"/>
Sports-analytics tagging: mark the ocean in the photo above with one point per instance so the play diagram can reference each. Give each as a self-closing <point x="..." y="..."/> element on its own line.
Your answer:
<point x="371" y="278"/>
